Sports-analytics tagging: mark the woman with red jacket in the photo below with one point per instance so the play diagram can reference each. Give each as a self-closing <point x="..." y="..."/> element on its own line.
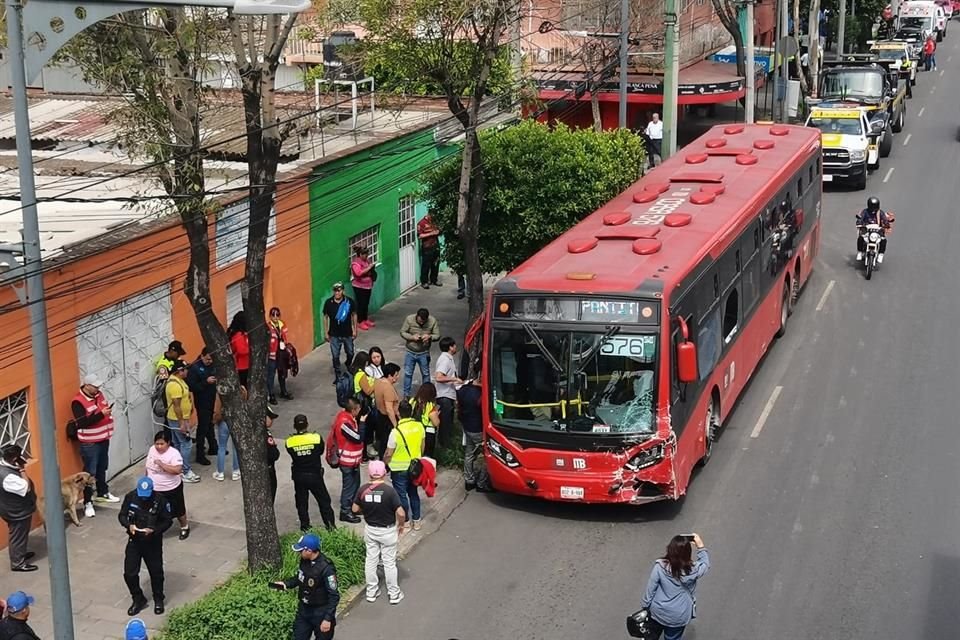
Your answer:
<point x="240" y="346"/>
<point x="346" y="437"/>
<point x="278" y="358"/>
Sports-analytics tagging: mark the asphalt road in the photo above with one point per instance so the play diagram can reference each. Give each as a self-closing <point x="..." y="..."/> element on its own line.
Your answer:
<point x="838" y="521"/>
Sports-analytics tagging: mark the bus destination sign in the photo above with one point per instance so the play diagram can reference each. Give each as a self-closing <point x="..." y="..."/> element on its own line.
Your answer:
<point x="592" y="310"/>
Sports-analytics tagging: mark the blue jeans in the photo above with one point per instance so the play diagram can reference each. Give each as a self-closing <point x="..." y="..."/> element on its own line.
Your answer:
<point x="182" y="443"/>
<point x="336" y="344"/>
<point x="95" y="457"/>
<point x="410" y="361"/>
<point x="351" y="484"/>
<point x="271" y="374"/>
<point x="409" y="494"/>
<point x="224" y="437"/>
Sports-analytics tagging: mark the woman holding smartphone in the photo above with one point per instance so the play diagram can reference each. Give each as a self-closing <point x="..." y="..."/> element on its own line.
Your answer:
<point x="671" y="591"/>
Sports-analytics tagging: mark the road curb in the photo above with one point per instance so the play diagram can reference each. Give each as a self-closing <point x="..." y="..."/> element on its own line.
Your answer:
<point x="443" y="505"/>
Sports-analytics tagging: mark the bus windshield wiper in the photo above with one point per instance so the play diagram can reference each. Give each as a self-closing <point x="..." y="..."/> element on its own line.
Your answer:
<point x="543" y="348"/>
<point x="593" y="350"/>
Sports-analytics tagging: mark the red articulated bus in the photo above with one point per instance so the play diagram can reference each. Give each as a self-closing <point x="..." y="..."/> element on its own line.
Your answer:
<point x="612" y="356"/>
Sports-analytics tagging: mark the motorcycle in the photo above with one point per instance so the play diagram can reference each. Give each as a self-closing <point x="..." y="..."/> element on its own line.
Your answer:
<point x="871" y="234"/>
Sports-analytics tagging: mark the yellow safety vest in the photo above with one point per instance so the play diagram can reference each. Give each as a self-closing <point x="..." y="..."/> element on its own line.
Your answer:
<point x="357" y="377"/>
<point x="409" y="443"/>
<point x="425" y="418"/>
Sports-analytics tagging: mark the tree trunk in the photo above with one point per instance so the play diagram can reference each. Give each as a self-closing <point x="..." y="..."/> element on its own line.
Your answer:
<point x="727" y="13"/>
<point x="804" y="89"/>
<point x="595" y="108"/>
<point x="814" y="48"/>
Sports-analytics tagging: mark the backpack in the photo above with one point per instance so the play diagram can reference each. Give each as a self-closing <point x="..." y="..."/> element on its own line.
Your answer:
<point x="158" y="398"/>
<point x="344" y="388"/>
<point x="332" y="452"/>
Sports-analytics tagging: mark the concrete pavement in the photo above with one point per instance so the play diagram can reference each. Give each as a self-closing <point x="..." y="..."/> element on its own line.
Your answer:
<point x="217" y="547"/>
<point x="837" y="521"/>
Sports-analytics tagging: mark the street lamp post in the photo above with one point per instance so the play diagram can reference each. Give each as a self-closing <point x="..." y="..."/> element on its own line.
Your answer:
<point x="49" y="24"/>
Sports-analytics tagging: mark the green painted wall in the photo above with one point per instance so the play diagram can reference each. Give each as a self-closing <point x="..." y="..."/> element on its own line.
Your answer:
<point x="352" y="194"/>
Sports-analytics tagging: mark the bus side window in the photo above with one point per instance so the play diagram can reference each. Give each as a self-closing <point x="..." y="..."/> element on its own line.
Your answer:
<point x="731" y="315"/>
<point x="708" y="343"/>
<point x="811" y="173"/>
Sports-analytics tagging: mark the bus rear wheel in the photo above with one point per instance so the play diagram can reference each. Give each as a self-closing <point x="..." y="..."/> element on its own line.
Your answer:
<point x="784" y="309"/>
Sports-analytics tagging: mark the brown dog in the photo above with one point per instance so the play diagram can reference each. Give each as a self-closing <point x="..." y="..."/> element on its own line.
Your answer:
<point x="71" y="492"/>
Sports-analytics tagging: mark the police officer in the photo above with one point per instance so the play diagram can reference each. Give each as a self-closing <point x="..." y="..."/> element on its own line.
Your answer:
<point x="146" y="516"/>
<point x="318" y="596"/>
<point x="306" y="452"/>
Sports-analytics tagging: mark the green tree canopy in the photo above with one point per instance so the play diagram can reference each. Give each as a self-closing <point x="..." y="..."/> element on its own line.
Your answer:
<point x="540" y="182"/>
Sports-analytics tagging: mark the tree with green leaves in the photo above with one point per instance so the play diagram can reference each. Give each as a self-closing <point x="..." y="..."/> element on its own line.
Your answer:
<point x="157" y="58"/>
<point x="455" y="45"/>
<point x="541" y="181"/>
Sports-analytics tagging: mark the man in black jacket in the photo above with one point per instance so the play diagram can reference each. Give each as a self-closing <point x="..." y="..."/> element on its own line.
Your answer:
<point x="14" y="626"/>
<point x="145" y="515"/>
<point x="317" y="595"/>
<point x="18" y="502"/>
<point x="203" y="383"/>
<point x="306" y="453"/>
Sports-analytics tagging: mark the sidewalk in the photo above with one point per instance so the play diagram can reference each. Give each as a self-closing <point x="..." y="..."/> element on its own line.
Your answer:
<point x="217" y="546"/>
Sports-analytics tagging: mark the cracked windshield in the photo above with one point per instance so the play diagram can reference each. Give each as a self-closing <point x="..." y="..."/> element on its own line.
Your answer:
<point x="574" y="380"/>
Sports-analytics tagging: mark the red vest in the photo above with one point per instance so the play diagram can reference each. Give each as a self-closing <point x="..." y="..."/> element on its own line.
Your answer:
<point x="348" y="440"/>
<point x="102" y="430"/>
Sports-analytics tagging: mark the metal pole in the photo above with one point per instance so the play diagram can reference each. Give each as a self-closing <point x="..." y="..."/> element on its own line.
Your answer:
<point x="60" y="597"/>
<point x="784" y="71"/>
<point x="841" y="27"/>
<point x="671" y="79"/>
<point x="751" y="67"/>
<point x="516" y="49"/>
<point x="624" y="44"/>
<point x="777" y="52"/>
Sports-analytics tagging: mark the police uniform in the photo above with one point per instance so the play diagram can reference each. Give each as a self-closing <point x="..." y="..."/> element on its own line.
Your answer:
<point x="150" y="511"/>
<point x="306" y="453"/>
<point x="317" y="598"/>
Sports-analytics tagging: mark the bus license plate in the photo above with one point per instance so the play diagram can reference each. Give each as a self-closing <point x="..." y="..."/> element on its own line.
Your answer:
<point x="827" y="177"/>
<point x="571" y="493"/>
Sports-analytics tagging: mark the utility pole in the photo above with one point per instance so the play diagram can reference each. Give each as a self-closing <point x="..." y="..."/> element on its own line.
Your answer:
<point x="777" y="52"/>
<point x="841" y="27"/>
<point x="671" y="78"/>
<point x="517" y="37"/>
<point x="624" y="44"/>
<point x="784" y="64"/>
<point x="60" y="597"/>
<point x="751" y="79"/>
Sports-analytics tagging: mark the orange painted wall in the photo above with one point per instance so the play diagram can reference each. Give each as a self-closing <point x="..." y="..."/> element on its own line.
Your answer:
<point x="78" y="289"/>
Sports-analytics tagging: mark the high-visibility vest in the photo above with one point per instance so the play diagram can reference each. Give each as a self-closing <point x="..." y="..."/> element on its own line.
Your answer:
<point x="425" y="418"/>
<point x="103" y="429"/>
<point x="357" y="377"/>
<point x="409" y="443"/>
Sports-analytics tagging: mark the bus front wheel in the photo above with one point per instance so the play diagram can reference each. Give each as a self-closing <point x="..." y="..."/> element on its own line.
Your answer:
<point x="710" y="422"/>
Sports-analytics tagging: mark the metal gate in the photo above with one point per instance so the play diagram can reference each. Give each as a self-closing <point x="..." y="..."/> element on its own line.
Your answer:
<point x="119" y="344"/>
<point x="408" y="242"/>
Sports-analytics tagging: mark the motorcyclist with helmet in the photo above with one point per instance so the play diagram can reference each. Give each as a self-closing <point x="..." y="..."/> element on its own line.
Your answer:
<point x="873" y="214"/>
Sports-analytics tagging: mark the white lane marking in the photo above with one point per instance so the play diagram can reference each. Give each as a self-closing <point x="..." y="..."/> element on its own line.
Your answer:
<point x="941" y="74"/>
<point x="826" y="292"/>
<point x="889" y="173"/>
<point x="933" y="88"/>
<point x="920" y="113"/>
<point x="766" y="412"/>
<point x="906" y="140"/>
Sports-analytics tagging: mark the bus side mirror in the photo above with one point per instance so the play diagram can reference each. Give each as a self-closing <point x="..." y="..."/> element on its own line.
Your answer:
<point x="687" y="362"/>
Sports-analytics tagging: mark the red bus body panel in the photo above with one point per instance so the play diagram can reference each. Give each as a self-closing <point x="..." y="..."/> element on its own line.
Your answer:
<point x="695" y="205"/>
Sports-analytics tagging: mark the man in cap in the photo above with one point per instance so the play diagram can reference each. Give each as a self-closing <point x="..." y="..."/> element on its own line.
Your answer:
<point x="203" y="383"/>
<point x="317" y="594"/>
<point x="136" y="630"/>
<point x="306" y="454"/>
<point x="14" y="626"/>
<point x="380" y="505"/>
<point x="179" y="416"/>
<point x="93" y="422"/>
<point x="18" y="502"/>
<point x="145" y="515"/>
<point x="174" y="352"/>
<point x="339" y="327"/>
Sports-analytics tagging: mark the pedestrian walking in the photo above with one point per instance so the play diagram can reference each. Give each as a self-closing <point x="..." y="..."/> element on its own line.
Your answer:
<point x="306" y="455"/>
<point x="429" y="236"/>
<point x="224" y="438"/>
<point x="384" y="516"/>
<point x="203" y="384"/>
<point x="446" y="375"/>
<point x="145" y="515"/>
<point x="403" y="446"/>
<point x="18" y="503"/>
<point x="180" y="404"/>
<point x="374" y="368"/>
<point x="424" y="405"/>
<point x="164" y="469"/>
<point x="339" y="327"/>
<point x="671" y="591"/>
<point x="136" y="629"/>
<point x="14" y="626"/>
<point x="93" y="425"/>
<point x="346" y="439"/>
<point x="317" y="595"/>
<point x="654" y="131"/>
<point x="363" y="275"/>
<point x="240" y="346"/>
<point x="278" y="359"/>
<point x="475" y="476"/>
<point x="419" y="330"/>
<point x="387" y="401"/>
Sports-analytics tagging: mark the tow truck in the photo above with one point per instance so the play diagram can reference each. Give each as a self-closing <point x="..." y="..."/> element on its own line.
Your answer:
<point x="850" y="143"/>
<point x="894" y="51"/>
<point x="875" y="85"/>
